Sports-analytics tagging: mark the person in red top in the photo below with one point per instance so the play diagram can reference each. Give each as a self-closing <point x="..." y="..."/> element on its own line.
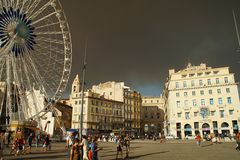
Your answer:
<point x="198" y="139"/>
<point x="238" y="141"/>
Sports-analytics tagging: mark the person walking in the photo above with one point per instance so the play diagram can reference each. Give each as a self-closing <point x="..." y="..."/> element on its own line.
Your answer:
<point x="1" y="146"/>
<point x="38" y="139"/>
<point x="198" y="139"/>
<point x="127" y="145"/>
<point x="30" y="140"/>
<point x="69" y="143"/>
<point x="238" y="141"/>
<point x="119" y="148"/>
<point x="75" y="150"/>
<point x="46" y="144"/>
<point x="95" y="148"/>
<point x="84" y="144"/>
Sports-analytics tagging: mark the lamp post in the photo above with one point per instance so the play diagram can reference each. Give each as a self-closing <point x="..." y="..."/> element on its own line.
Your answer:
<point x="82" y="89"/>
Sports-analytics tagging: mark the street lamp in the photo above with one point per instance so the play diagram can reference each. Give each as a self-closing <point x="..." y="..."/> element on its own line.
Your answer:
<point x="82" y="89"/>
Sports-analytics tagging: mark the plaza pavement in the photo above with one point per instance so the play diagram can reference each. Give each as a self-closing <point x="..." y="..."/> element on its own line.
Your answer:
<point x="147" y="150"/>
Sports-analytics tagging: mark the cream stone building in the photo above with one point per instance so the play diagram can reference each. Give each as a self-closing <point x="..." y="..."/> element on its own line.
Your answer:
<point x="201" y="99"/>
<point x="131" y="100"/>
<point x="100" y="115"/>
<point x="152" y="115"/>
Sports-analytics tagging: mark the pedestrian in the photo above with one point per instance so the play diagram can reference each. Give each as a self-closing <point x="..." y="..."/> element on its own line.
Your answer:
<point x="119" y="148"/>
<point x="45" y="144"/>
<point x="1" y="146"/>
<point x="95" y="148"/>
<point x="38" y="139"/>
<point x="198" y="139"/>
<point x="14" y="146"/>
<point x="238" y="141"/>
<point x="75" y="150"/>
<point x="84" y="145"/>
<point x="30" y="140"/>
<point x="21" y="145"/>
<point x="69" y="143"/>
<point x="127" y="145"/>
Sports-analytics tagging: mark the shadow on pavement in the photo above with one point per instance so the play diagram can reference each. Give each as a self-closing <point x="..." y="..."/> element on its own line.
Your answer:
<point x="143" y="155"/>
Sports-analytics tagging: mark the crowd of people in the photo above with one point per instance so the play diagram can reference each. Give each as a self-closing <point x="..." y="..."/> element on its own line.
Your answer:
<point x="218" y="139"/>
<point x="21" y="144"/>
<point x="87" y="148"/>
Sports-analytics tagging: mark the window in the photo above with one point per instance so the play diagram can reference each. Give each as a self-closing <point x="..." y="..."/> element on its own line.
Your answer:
<point x="219" y="91"/>
<point x="177" y="84"/>
<point x="196" y="125"/>
<point x="200" y="83"/>
<point x="202" y="102"/>
<point x="195" y="114"/>
<point x="194" y="102"/>
<point x="230" y="112"/>
<point x="209" y="81"/>
<point x="222" y="113"/>
<point x="179" y="115"/>
<point x="192" y="83"/>
<point x="212" y="113"/>
<point x="210" y="91"/>
<point x="202" y="92"/>
<point x="228" y="90"/>
<point x="186" y="103"/>
<point x="229" y="100"/>
<point x="185" y="94"/>
<point x="76" y="102"/>
<point x="184" y="84"/>
<point x="226" y="79"/>
<point x="211" y="101"/>
<point x="219" y="100"/>
<point x="187" y="115"/>
<point x="178" y="103"/>
<point x="217" y="81"/>
<point x="193" y="93"/>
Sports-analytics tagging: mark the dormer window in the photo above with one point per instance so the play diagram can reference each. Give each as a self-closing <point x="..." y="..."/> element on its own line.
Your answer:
<point x="215" y="72"/>
<point x="184" y="76"/>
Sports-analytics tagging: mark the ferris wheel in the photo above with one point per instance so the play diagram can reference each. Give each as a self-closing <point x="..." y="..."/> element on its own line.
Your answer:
<point x="35" y="55"/>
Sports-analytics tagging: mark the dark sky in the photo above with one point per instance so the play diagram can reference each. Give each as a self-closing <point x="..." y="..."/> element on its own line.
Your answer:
<point x="138" y="41"/>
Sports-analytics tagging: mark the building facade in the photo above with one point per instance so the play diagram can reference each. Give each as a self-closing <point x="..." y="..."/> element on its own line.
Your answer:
<point x="201" y="100"/>
<point x="152" y="116"/>
<point x="131" y="101"/>
<point x="100" y="115"/>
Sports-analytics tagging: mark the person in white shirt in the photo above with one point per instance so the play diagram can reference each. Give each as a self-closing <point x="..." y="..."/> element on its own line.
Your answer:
<point x="69" y="142"/>
<point x="84" y="144"/>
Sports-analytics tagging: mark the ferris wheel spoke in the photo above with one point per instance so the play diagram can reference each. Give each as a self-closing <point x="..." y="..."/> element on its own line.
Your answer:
<point x="46" y="17"/>
<point x="32" y="95"/>
<point x="39" y="11"/>
<point x="50" y="49"/>
<point x="32" y="7"/>
<point x="23" y="4"/>
<point x="51" y="33"/>
<point x="2" y="62"/>
<point x="18" y="92"/>
<point x="49" y="40"/>
<point x="48" y="25"/>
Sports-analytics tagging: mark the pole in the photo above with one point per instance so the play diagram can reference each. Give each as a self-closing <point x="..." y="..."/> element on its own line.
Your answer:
<point x="236" y="27"/>
<point x="83" y="87"/>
